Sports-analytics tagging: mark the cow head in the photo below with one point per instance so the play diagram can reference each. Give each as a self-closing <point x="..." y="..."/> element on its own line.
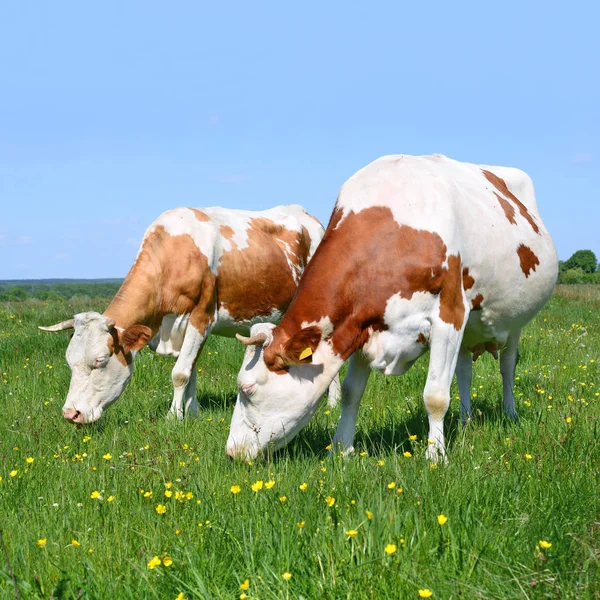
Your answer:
<point x="279" y="388"/>
<point x="101" y="361"/>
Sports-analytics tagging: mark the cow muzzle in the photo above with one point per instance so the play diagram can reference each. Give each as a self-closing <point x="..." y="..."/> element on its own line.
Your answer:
<point x="73" y="415"/>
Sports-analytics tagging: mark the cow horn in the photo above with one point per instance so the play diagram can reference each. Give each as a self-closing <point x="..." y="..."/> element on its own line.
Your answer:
<point x="256" y="340"/>
<point x="69" y="324"/>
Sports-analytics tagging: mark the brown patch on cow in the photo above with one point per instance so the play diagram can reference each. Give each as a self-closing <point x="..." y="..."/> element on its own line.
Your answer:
<point x="452" y="307"/>
<point x="508" y="208"/>
<point x="361" y="262"/>
<point x="501" y="186"/>
<point x="529" y="261"/>
<point x="468" y="281"/>
<point x="226" y="231"/>
<point x="115" y="347"/>
<point x="476" y="302"/>
<point x="257" y="280"/>
<point x="200" y="215"/>
<point x="421" y="339"/>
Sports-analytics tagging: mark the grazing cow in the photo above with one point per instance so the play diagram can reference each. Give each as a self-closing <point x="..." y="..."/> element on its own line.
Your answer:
<point x="198" y="271"/>
<point x="421" y="253"/>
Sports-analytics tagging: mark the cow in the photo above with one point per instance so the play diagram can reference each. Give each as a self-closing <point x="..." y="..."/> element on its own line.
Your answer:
<point x="421" y="254"/>
<point x="198" y="271"/>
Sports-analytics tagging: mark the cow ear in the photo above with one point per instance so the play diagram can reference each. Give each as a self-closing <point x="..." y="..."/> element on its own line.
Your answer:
<point x="135" y="337"/>
<point x="300" y="347"/>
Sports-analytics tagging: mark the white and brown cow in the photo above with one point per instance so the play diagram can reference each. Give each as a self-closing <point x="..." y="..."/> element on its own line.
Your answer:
<point x="198" y="271"/>
<point x="421" y="253"/>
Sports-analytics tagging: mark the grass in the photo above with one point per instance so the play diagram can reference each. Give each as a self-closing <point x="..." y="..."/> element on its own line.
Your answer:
<point x="506" y="487"/>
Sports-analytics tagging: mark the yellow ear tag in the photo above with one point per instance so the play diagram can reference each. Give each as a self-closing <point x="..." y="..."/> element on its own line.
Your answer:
<point x="305" y="353"/>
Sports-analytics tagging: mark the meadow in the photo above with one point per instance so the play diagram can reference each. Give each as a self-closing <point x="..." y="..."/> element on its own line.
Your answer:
<point x="139" y="506"/>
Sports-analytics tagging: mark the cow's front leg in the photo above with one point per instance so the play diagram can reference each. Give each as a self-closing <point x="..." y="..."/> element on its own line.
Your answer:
<point x="353" y="389"/>
<point x="464" y="376"/>
<point x="184" y="374"/>
<point x="445" y="344"/>
<point x="508" y="364"/>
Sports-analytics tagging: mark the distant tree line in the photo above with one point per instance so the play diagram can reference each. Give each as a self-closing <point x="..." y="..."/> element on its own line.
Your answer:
<point x="23" y="291"/>
<point x="582" y="267"/>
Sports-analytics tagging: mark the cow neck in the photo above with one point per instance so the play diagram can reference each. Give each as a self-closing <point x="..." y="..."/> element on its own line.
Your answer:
<point x="138" y="300"/>
<point x="327" y="294"/>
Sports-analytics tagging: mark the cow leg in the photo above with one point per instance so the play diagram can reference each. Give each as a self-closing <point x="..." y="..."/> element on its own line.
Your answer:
<point x="333" y="394"/>
<point x="184" y="373"/>
<point x="191" y="402"/>
<point x="508" y="364"/>
<point x="353" y="389"/>
<point x="444" y="345"/>
<point x="464" y="376"/>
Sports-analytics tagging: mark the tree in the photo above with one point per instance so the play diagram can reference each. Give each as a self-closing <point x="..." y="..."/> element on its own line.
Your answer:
<point x="582" y="259"/>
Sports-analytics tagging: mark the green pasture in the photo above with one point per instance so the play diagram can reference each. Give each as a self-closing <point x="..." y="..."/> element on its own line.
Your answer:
<point x="138" y="506"/>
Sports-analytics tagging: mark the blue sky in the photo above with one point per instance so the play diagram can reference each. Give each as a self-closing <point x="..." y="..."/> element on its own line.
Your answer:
<point x="113" y="112"/>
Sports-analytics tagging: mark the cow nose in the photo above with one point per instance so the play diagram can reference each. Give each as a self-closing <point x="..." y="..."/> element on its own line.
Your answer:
<point x="73" y="415"/>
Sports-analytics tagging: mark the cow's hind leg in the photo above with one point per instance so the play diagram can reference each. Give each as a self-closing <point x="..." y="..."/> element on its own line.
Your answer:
<point x="445" y="344"/>
<point x="508" y="364"/>
<point x="184" y="374"/>
<point x="333" y="394"/>
<point x="464" y="376"/>
<point x="353" y="389"/>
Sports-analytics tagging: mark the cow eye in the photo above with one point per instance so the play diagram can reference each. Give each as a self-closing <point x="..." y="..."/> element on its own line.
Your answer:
<point x="100" y="361"/>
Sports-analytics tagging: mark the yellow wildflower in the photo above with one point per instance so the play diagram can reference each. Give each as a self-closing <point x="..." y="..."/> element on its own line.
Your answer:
<point x="351" y="533"/>
<point x="369" y="514"/>
<point x="412" y="438"/>
<point x="286" y="576"/>
<point x="235" y="489"/>
<point x="107" y="456"/>
<point x="407" y="454"/>
<point x="29" y="460"/>
<point x="75" y="543"/>
<point x="180" y="596"/>
<point x="391" y="485"/>
<point x="168" y="493"/>
<point x="269" y="484"/>
<point x="425" y="593"/>
<point x="155" y="562"/>
<point x="442" y="519"/>
<point x="390" y="549"/>
<point x="330" y="501"/>
<point x="161" y="509"/>
<point x="257" y="486"/>
<point x="148" y="495"/>
<point x="41" y="542"/>
<point x="303" y="486"/>
<point x="545" y="545"/>
<point x="14" y="473"/>
<point x="244" y="586"/>
<point x="95" y="495"/>
<point x="300" y="525"/>
<point x="282" y="498"/>
<point x="167" y="561"/>
<point x="110" y="499"/>
<point x="528" y="456"/>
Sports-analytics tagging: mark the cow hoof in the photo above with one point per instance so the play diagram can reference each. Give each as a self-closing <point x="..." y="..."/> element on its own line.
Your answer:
<point x="338" y="449"/>
<point x="436" y="455"/>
